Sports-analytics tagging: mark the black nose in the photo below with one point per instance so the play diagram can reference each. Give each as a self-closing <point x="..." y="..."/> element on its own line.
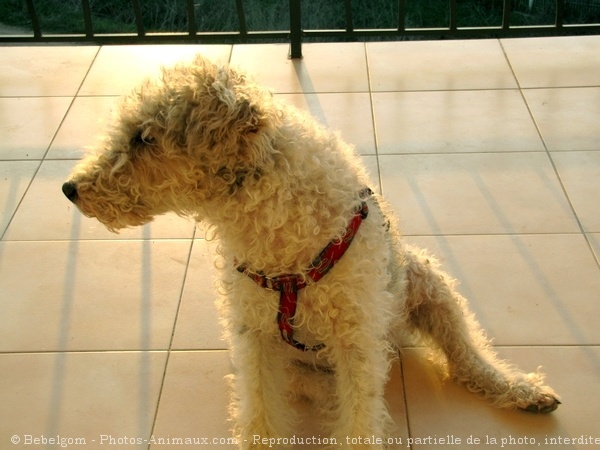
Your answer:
<point x="70" y="190"/>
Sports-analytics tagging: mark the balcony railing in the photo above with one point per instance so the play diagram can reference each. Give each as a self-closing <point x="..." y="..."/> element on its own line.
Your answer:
<point x="296" y="34"/>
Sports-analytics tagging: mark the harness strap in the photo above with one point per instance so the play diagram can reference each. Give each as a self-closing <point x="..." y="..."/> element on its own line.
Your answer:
<point x="288" y="285"/>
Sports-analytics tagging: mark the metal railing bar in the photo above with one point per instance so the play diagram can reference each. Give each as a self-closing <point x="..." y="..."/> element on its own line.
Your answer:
<point x="560" y="13"/>
<point x="87" y="18"/>
<point x="295" y="29"/>
<point x="139" y="19"/>
<point x="349" y="19"/>
<point x="445" y="31"/>
<point x="506" y="9"/>
<point x="35" y="24"/>
<point x="154" y="38"/>
<point x="453" y="15"/>
<point x="401" y="15"/>
<point x="241" y="17"/>
<point x="191" y="17"/>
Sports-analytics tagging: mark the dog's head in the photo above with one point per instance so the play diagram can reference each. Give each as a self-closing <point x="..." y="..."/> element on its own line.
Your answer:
<point x="178" y="143"/>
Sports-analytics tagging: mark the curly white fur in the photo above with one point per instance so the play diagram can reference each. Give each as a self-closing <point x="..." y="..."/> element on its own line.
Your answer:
<point x="276" y="188"/>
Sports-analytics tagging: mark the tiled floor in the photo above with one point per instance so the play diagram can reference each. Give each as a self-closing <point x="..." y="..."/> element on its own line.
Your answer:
<point x="489" y="150"/>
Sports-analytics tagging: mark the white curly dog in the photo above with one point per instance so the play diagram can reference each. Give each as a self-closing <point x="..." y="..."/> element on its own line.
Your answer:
<point x="320" y="288"/>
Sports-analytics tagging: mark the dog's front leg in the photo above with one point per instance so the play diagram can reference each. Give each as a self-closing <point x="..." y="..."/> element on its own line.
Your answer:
<point x="361" y="370"/>
<point x="260" y="411"/>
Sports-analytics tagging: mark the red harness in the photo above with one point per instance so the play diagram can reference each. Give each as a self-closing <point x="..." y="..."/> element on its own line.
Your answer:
<point x="288" y="285"/>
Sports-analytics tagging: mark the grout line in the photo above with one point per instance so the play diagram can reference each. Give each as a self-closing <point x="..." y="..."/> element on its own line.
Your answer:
<point x="170" y="348"/>
<point x="132" y="351"/>
<point x="404" y="394"/>
<point x="225" y="350"/>
<point x="373" y="122"/>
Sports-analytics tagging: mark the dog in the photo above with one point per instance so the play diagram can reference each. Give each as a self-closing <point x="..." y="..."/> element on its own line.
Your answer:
<point x="319" y="287"/>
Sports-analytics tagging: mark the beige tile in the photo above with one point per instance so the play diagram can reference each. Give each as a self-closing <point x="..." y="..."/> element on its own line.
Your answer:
<point x="198" y="324"/>
<point x="594" y="239"/>
<point x="580" y="174"/>
<point x="195" y="399"/>
<point x="453" y="121"/>
<point x="15" y="177"/>
<point x="438" y="65"/>
<point x="372" y="165"/>
<point x="44" y="70"/>
<point x="476" y="193"/>
<point x="555" y="61"/>
<point x="62" y="220"/>
<point x="119" y="69"/>
<point x="324" y="67"/>
<point x="90" y="295"/>
<point x="348" y="113"/>
<point x="27" y="125"/>
<point x="87" y="119"/>
<point x="441" y="410"/>
<point x="395" y="396"/>
<point x="525" y="289"/>
<point x="568" y="118"/>
<point x="89" y="396"/>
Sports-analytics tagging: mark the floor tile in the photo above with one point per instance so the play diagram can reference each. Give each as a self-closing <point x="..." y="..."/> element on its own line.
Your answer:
<point x="27" y="125"/>
<point x="447" y="410"/>
<point x="453" y="121"/>
<point x="89" y="396"/>
<point x="62" y="220"/>
<point x="438" y="65"/>
<point x="324" y="67"/>
<point x="372" y="165"/>
<point x="44" y="70"/>
<point x="86" y="121"/>
<point x="119" y="69"/>
<point x="195" y="384"/>
<point x="198" y="324"/>
<point x="595" y="243"/>
<point x="580" y="174"/>
<point x="476" y="193"/>
<point x="90" y="295"/>
<point x="567" y="118"/>
<point x="348" y="113"/>
<point x="195" y="399"/>
<point x="524" y="289"/>
<point x="15" y="177"/>
<point x="556" y="61"/>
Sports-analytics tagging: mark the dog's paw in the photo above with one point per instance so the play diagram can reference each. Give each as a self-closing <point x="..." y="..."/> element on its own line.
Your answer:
<point x="534" y="396"/>
<point x="545" y="405"/>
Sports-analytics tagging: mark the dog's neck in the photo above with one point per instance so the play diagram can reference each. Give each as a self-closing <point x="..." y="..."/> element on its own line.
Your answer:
<point x="280" y="234"/>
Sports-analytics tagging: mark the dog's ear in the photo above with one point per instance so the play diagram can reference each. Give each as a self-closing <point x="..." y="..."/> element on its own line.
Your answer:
<point x="241" y="103"/>
<point x="231" y="120"/>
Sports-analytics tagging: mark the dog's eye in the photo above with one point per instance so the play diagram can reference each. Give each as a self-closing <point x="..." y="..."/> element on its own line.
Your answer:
<point x="139" y="139"/>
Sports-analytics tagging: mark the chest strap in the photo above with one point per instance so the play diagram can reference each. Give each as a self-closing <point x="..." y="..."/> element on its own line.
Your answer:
<point x="288" y="285"/>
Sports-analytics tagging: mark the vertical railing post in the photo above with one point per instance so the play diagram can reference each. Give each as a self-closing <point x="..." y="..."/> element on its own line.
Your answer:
<point x="401" y="16"/>
<point x="87" y="18"/>
<point x="295" y="29"/>
<point x="35" y="24"/>
<point x="560" y="14"/>
<point x="241" y="18"/>
<point x="349" y="20"/>
<point x="191" y="16"/>
<point x="453" y="15"/>
<point x="506" y="9"/>
<point x="139" y="19"/>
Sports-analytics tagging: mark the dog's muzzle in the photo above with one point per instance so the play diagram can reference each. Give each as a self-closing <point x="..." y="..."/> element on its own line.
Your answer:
<point x="70" y="190"/>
